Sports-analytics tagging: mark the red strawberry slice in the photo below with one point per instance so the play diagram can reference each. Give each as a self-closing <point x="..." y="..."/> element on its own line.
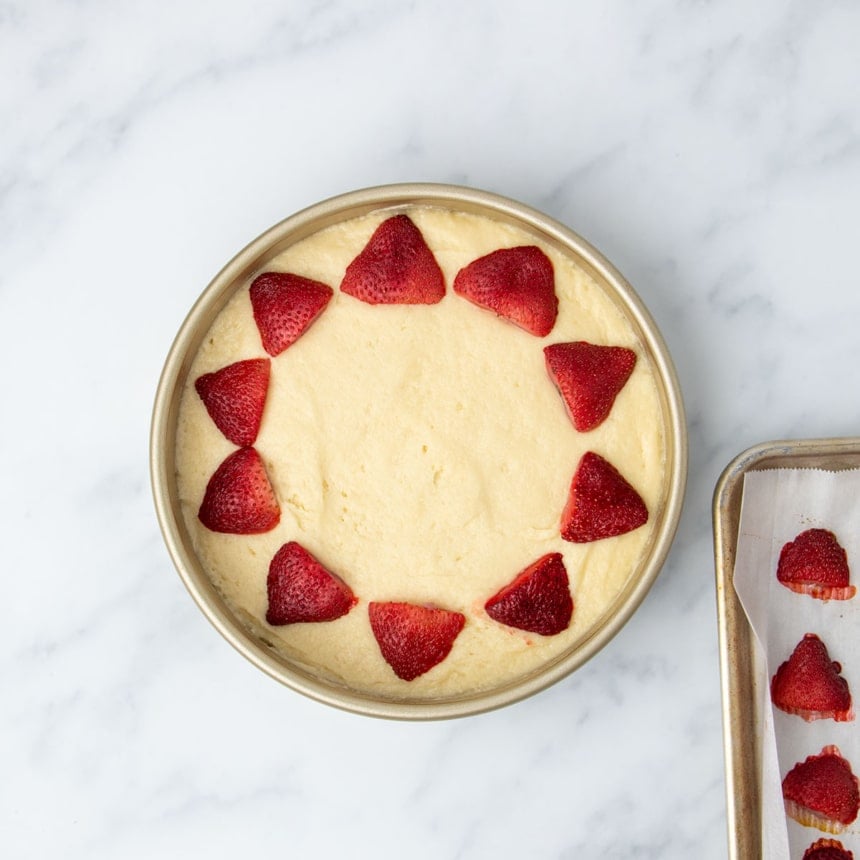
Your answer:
<point x="515" y="283"/>
<point x="588" y="377"/>
<point x="809" y="685"/>
<point x="300" y="589"/>
<point x="815" y="563"/>
<point x="285" y="305"/>
<point x="395" y="267"/>
<point x="537" y="599"/>
<point x="601" y="503"/>
<point x="239" y="498"/>
<point x="234" y="397"/>
<point x="822" y="792"/>
<point x="827" y="849"/>
<point x="412" y="638"/>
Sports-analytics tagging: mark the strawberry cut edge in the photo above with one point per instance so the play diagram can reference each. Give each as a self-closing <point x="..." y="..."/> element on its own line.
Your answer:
<point x="821" y="592"/>
<point x="810" y="818"/>
<point x="840" y="716"/>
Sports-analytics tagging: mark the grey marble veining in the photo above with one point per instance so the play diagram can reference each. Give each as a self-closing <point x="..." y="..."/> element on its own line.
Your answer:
<point x="711" y="151"/>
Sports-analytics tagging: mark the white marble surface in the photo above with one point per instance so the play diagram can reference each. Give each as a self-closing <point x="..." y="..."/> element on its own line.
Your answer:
<point x="712" y="151"/>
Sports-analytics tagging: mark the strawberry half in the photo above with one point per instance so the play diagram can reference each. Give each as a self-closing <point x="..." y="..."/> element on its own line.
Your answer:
<point x="809" y="685"/>
<point x="822" y="792"/>
<point x="284" y="307"/>
<point x="537" y="599"/>
<point x="515" y="283"/>
<point x="234" y="397"/>
<point x="588" y="377"/>
<point x="815" y="563"/>
<point x="395" y="267"/>
<point x="412" y="638"/>
<point x="827" y="849"/>
<point x="601" y="503"/>
<point x="239" y="498"/>
<point x="300" y="589"/>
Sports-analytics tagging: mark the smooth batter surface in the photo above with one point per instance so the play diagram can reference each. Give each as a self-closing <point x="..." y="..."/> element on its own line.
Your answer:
<point x="422" y="454"/>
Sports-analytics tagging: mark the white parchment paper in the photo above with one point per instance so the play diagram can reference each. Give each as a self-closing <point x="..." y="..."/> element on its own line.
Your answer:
<point x="778" y="504"/>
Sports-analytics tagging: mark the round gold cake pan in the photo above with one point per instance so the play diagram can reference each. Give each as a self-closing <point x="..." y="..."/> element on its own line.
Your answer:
<point x="257" y="255"/>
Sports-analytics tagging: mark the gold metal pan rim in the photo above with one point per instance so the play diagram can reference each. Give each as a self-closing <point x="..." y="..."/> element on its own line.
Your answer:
<point x="258" y="253"/>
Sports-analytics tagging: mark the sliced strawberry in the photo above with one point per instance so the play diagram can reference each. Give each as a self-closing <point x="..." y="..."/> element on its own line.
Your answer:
<point x="284" y="307"/>
<point x="809" y="685"/>
<point x="588" y="377"/>
<point x="827" y="849"/>
<point x="395" y="267"/>
<point x="239" y="498"/>
<point x="412" y="638"/>
<point x="815" y="563"/>
<point x="515" y="283"/>
<point x="601" y="503"/>
<point x="822" y="791"/>
<point x="234" y="397"/>
<point x="300" y="589"/>
<point x="537" y="599"/>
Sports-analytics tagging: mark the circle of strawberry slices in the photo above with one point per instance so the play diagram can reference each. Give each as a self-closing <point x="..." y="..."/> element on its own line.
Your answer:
<point x="396" y="266"/>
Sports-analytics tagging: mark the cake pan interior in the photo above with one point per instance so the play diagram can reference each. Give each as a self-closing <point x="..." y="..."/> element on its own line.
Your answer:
<point x="256" y="256"/>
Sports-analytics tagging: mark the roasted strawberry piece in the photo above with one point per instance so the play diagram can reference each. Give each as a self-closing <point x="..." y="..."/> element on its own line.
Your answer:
<point x="284" y="306"/>
<point x="300" y="589"/>
<point x="588" y="377"/>
<point x="537" y="599"/>
<point x="412" y="638"/>
<point x="827" y="849"/>
<point x="518" y="284"/>
<point x="395" y="267"/>
<point x="809" y="685"/>
<point x="601" y="503"/>
<point x="815" y="563"/>
<point x="822" y="792"/>
<point x="234" y="397"/>
<point x="239" y="498"/>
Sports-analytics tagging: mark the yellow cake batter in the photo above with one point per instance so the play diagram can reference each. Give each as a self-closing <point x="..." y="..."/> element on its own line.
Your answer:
<point x="423" y="454"/>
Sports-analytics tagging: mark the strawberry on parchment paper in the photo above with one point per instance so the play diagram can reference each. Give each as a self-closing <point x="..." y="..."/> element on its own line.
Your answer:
<point x="809" y="684"/>
<point x="822" y="791"/>
<point x="815" y="563"/>
<point x="827" y="849"/>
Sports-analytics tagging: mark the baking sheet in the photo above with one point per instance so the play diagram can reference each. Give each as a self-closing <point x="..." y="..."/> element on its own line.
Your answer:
<point x="745" y="702"/>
